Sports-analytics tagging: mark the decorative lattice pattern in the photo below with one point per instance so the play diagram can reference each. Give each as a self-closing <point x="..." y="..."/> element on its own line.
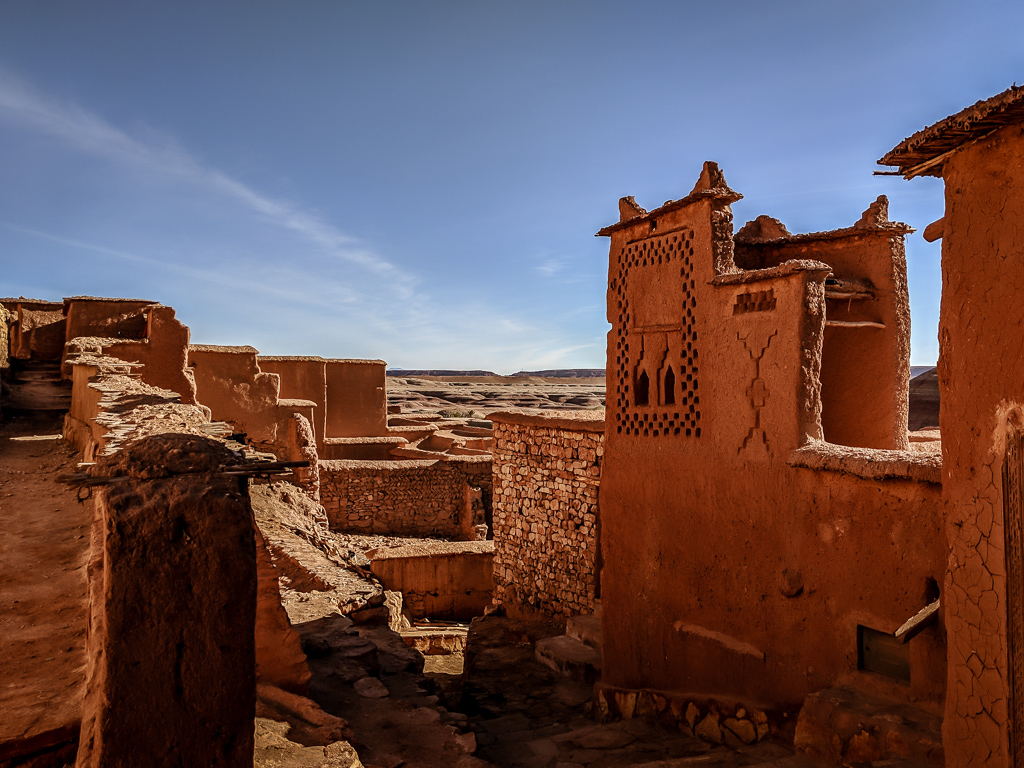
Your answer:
<point x="758" y="301"/>
<point x="669" y="401"/>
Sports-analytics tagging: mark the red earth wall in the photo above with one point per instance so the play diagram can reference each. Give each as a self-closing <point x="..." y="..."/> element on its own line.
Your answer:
<point x="981" y="377"/>
<point x="356" y="399"/>
<point x="727" y="569"/>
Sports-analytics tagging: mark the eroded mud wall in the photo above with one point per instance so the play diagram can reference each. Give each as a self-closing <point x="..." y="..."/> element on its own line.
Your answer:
<point x="356" y="400"/>
<point x="107" y="318"/>
<point x="230" y="383"/>
<point x="981" y="378"/>
<point x="39" y="330"/>
<point x="164" y="353"/>
<point x="303" y="378"/>
<point x="547" y="473"/>
<point x="172" y="592"/>
<point x="280" y="661"/>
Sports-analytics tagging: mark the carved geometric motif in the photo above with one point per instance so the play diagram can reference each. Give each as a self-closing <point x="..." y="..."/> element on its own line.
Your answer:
<point x="756" y="344"/>
<point x="655" y="376"/>
<point x="757" y="301"/>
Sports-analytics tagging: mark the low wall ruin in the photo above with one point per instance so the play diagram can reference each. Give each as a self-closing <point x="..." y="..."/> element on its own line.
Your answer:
<point x="439" y="580"/>
<point x="111" y="407"/>
<point x="547" y="472"/>
<point x="37" y="328"/>
<point x="111" y="412"/>
<point x="402" y="498"/>
<point x="180" y="622"/>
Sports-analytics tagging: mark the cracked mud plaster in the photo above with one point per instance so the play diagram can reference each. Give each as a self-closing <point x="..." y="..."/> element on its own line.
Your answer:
<point x="981" y="366"/>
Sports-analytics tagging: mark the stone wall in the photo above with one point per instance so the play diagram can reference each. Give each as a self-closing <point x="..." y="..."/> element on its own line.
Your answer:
<point x="547" y="471"/>
<point x="402" y="498"/>
<point x="6" y="318"/>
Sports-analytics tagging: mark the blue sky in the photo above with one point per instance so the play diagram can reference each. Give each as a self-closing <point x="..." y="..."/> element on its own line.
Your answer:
<point x="421" y="182"/>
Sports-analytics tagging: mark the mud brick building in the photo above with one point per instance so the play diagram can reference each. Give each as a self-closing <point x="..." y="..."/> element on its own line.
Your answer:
<point x="979" y="154"/>
<point x="763" y="517"/>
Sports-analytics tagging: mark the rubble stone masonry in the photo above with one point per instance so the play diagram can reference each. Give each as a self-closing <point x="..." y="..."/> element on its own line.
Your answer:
<point x="547" y="471"/>
<point x="401" y="498"/>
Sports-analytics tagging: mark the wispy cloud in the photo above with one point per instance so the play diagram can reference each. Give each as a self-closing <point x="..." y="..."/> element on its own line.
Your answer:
<point x="333" y="293"/>
<point x="23" y="105"/>
<point x="552" y="266"/>
<point x="233" y="280"/>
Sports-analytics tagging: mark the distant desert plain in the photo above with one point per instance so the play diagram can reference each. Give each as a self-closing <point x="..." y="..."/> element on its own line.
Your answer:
<point x="474" y="394"/>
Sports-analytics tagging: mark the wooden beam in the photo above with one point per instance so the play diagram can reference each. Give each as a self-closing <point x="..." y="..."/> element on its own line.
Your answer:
<point x="913" y="626"/>
<point x="935" y="230"/>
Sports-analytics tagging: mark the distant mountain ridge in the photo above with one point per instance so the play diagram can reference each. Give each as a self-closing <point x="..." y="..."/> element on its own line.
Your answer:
<point x="555" y="373"/>
<point x="438" y="372"/>
<point x="565" y="373"/>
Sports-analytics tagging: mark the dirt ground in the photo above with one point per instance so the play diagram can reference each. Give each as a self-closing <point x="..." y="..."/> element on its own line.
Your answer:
<point x="44" y="543"/>
<point x="526" y="716"/>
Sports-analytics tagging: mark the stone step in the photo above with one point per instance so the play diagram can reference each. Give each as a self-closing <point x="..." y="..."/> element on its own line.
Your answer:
<point x="586" y="628"/>
<point x="435" y="642"/>
<point x="21" y="378"/>
<point x="570" y="658"/>
<point x="35" y="376"/>
<point x="35" y="365"/>
<point x="33" y="391"/>
<point x="847" y="726"/>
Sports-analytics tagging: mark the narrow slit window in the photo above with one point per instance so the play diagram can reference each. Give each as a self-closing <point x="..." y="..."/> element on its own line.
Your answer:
<point x="670" y="387"/>
<point x="643" y="385"/>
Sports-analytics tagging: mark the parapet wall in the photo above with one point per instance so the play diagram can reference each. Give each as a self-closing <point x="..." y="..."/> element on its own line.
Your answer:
<point x="112" y="412"/>
<point x="111" y="407"/>
<point x="402" y="498"/>
<point x="547" y="472"/>
<point x="439" y="580"/>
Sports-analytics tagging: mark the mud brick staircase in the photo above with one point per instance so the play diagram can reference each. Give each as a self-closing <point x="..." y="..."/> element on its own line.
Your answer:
<point x="35" y="386"/>
<point x="577" y="653"/>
